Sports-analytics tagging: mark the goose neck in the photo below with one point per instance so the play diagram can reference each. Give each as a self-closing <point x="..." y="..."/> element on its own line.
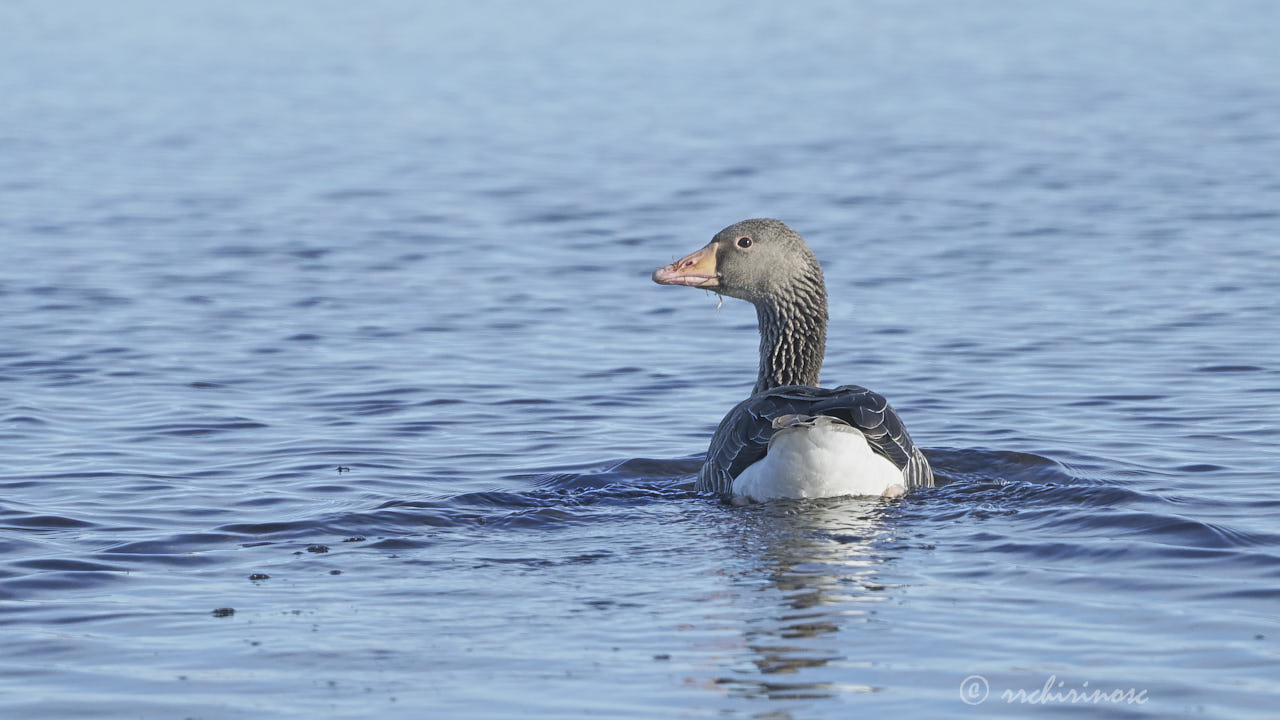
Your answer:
<point x="793" y="337"/>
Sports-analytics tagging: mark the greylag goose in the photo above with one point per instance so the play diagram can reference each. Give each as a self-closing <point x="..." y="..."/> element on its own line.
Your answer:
<point x="792" y="439"/>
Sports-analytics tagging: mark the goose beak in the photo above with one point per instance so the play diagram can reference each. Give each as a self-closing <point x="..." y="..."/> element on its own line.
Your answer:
<point x="695" y="270"/>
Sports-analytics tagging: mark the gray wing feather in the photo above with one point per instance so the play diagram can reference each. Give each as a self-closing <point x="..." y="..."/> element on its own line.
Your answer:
<point x="743" y="435"/>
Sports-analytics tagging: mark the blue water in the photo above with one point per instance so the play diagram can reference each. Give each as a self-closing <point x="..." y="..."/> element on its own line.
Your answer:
<point x="244" y="245"/>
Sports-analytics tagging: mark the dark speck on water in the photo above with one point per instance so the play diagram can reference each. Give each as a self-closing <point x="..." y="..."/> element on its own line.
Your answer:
<point x="244" y="244"/>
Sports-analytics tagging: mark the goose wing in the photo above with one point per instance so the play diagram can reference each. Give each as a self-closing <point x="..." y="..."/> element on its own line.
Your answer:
<point x="743" y="435"/>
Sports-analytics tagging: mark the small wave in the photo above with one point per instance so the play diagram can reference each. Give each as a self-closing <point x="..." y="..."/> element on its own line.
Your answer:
<point x="22" y="521"/>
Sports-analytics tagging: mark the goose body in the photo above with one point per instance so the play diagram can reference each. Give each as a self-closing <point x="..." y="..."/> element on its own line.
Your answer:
<point x="818" y="457"/>
<point x="790" y="438"/>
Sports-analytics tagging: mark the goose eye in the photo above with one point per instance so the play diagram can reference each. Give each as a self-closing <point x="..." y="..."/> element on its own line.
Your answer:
<point x="744" y="242"/>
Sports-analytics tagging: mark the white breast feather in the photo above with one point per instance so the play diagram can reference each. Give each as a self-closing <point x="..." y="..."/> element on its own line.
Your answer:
<point x="823" y="457"/>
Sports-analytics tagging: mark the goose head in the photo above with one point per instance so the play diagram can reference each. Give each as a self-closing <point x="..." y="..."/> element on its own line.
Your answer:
<point x="756" y="260"/>
<point x="767" y="264"/>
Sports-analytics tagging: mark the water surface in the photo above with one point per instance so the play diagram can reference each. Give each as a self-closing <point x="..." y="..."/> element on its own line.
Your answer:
<point x="333" y="382"/>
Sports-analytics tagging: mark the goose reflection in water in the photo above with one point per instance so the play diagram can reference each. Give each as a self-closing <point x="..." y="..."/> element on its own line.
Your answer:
<point x="820" y="558"/>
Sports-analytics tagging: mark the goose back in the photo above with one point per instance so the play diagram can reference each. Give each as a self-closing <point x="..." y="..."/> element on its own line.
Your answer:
<point x="742" y="437"/>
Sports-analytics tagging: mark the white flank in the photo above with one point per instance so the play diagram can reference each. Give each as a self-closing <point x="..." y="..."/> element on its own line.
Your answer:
<point x="823" y="457"/>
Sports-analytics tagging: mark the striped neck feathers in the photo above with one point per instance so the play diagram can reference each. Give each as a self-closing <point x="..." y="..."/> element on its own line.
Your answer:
<point x="793" y="333"/>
